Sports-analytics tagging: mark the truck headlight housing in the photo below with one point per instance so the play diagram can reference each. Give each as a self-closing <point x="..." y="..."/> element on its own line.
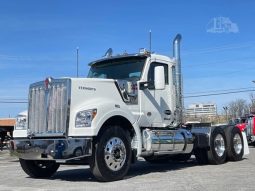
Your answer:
<point x="84" y="118"/>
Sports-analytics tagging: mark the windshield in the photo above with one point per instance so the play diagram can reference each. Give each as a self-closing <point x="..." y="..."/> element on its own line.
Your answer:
<point x="122" y="68"/>
<point x="21" y="122"/>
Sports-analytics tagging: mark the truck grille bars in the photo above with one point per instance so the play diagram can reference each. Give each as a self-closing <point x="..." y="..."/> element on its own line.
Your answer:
<point x="48" y="108"/>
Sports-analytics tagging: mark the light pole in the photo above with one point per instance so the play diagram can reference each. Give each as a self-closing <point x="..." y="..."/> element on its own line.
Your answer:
<point x="77" y="62"/>
<point x="226" y="111"/>
<point x="252" y="109"/>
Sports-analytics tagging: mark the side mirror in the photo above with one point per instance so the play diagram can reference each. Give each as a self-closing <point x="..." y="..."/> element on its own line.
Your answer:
<point x="159" y="78"/>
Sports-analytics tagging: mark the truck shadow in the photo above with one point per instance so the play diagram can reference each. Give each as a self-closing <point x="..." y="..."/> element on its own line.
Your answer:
<point x="143" y="167"/>
<point x="138" y="169"/>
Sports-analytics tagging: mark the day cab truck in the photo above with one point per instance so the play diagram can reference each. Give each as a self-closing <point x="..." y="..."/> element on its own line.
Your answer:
<point x="250" y="129"/>
<point x="129" y="106"/>
<point x="20" y="128"/>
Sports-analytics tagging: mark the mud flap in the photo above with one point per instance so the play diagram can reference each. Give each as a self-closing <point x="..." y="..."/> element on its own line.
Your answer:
<point x="245" y="144"/>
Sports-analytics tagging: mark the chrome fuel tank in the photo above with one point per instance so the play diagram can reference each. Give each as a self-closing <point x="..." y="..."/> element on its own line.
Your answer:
<point x="167" y="141"/>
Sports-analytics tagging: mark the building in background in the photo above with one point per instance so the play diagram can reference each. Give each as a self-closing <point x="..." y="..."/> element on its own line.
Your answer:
<point x="201" y="110"/>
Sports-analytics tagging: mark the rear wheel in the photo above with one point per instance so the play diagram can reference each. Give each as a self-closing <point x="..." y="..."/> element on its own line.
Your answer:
<point x="218" y="144"/>
<point x="39" y="169"/>
<point x="235" y="142"/>
<point x="112" y="154"/>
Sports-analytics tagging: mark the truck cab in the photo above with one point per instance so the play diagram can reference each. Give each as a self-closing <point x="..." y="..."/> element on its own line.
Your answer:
<point x="250" y="129"/>
<point x="20" y="128"/>
<point x="150" y="104"/>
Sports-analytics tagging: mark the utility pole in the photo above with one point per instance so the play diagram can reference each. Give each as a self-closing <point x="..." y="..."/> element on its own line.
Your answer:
<point x="77" y="61"/>
<point x="226" y="111"/>
<point x="150" y="41"/>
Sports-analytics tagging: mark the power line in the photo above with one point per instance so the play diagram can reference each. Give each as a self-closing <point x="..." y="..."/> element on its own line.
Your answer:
<point x="12" y="99"/>
<point x="236" y="60"/>
<point x="223" y="90"/>
<point x="215" y="94"/>
<point x="13" y="102"/>
<point x="208" y="93"/>
<point x="220" y="48"/>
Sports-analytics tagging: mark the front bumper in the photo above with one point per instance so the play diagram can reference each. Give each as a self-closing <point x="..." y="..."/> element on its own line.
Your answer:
<point x="60" y="150"/>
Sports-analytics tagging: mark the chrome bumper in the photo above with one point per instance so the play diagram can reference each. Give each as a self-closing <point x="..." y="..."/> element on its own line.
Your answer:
<point x="60" y="150"/>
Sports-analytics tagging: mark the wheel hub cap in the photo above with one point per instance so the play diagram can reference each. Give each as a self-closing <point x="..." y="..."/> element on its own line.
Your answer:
<point x="237" y="141"/>
<point x="219" y="144"/>
<point x="115" y="154"/>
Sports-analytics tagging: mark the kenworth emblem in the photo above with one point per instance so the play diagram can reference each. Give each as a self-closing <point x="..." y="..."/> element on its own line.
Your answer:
<point x="47" y="83"/>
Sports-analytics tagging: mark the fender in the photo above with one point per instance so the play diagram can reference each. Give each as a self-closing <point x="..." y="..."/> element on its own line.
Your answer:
<point x="124" y="112"/>
<point x="105" y="110"/>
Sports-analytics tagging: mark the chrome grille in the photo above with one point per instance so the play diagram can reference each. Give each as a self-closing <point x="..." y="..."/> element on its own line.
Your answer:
<point x="48" y="108"/>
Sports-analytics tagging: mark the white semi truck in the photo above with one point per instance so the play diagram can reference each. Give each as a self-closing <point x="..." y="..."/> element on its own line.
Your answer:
<point x="129" y="106"/>
<point x="20" y="128"/>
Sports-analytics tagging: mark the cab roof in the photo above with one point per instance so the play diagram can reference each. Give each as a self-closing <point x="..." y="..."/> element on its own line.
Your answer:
<point x="132" y="56"/>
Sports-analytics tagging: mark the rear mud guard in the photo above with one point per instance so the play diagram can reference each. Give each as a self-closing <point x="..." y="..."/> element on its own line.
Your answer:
<point x="245" y="144"/>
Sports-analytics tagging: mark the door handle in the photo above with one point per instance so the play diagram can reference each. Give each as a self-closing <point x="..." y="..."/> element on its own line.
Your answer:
<point x="168" y="112"/>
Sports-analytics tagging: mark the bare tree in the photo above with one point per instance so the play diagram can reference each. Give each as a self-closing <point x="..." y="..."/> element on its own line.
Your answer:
<point x="252" y="103"/>
<point x="238" y="108"/>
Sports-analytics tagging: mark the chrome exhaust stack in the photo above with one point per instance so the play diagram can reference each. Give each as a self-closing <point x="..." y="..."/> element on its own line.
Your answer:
<point x="178" y="85"/>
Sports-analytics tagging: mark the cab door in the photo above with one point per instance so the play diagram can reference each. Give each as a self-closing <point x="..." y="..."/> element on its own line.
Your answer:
<point x="156" y="105"/>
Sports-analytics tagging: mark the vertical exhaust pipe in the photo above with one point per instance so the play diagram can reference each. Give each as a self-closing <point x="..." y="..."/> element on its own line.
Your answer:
<point x="178" y="78"/>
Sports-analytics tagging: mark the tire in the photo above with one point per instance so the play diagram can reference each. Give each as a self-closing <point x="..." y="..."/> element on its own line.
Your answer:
<point x="218" y="147"/>
<point x="111" y="156"/>
<point x="235" y="144"/>
<point x="39" y="169"/>
<point x="201" y="156"/>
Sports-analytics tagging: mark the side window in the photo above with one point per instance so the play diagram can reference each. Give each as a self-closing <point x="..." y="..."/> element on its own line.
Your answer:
<point x="151" y="74"/>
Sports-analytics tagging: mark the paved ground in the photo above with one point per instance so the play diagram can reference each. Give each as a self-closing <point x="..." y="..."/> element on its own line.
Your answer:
<point x="232" y="176"/>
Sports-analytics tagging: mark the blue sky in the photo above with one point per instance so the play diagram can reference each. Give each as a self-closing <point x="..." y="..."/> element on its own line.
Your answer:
<point x="39" y="39"/>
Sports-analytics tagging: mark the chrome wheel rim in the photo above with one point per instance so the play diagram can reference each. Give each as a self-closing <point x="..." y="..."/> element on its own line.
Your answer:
<point x="237" y="142"/>
<point x="115" y="154"/>
<point x="219" y="145"/>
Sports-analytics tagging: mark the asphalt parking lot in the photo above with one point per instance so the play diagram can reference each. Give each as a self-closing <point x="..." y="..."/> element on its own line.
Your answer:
<point x="142" y="176"/>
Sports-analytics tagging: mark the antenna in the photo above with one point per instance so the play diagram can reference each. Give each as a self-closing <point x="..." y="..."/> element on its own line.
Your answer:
<point x="108" y="53"/>
<point x="77" y="61"/>
<point x="150" y="41"/>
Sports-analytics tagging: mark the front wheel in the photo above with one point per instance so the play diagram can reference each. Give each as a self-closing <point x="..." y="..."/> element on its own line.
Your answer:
<point x="112" y="154"/>
<point x="39" y="169"/>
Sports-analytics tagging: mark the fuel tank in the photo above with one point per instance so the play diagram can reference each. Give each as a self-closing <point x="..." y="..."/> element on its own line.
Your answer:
<point x="167" y="141"/>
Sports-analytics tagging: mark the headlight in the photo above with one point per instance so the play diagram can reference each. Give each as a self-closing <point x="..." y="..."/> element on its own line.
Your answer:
<point x="84" y="118"/>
